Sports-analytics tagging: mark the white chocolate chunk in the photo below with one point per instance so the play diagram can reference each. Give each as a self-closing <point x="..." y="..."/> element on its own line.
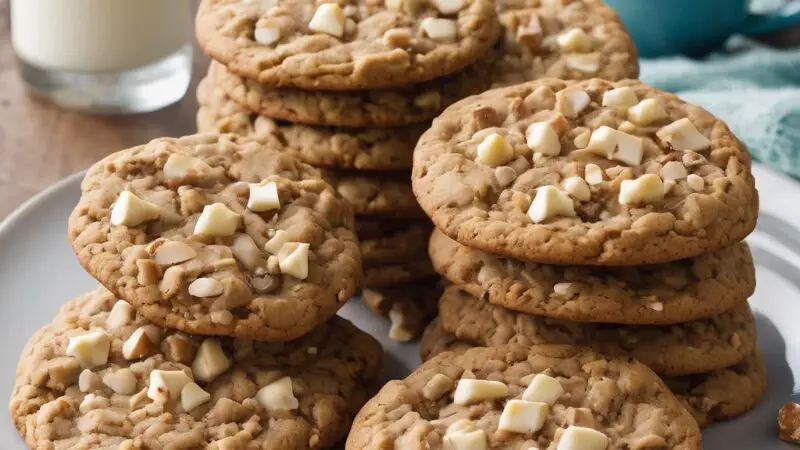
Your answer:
<point x="544" y="389"/>
<point x="614" y="144"/>
<point x="575" y="40"/>
<point x="582" y="140"/>
<point x="582" y="438"/>
<point x="521" y="416"/>
<point x="174" y="252"/>
<point x="577" y="188"/>
<point x="622" y="97"/>
<point x="329" y="18"/>
<point x="210" y="361"/>
<point x="166" y="385"/>
<point x="542" y="138"/>
<point x="277" y="242"/>
<point x="603" y="141"/>
<point x="586" y="63"/>
<point x="473" y="440"/>
<point x="263" y="197"/>
<point x="673" y="170"/>
<point x="293" y="259"/>
<point x="646" y="189"/>
<point x="470" y="391"/>
<point x="696" y="182"/>
<point x="90" y="349"/>
<point x="130" y="210"/>
<point x="682" y="135"/>
<point x="121" y="314"/>
<point x="217" y="220"/>
<point x="394" y="5"/>
<point x="278" y="396"/>
<point x="646" y="112"/>
<point x="206" y="287"/>
<point x="138" y="345"/>
<point x="550" y="202"/>
<point x="448" y="7"/>
<point x="192" y="396"/>
<point x="593" y="174"/>
<point x="494" y="151"/>
<point x="180" y="165"/>
<point x="267" y="35"/>
<point x="88" y="381"/>
<point x="246" y="251"/>
<point x="122" y="381"/>
<point x="439" y="29"/>
<point x="572" y="100"/>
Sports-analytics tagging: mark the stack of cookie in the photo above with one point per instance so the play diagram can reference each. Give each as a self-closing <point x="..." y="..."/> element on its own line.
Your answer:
<point x="222" y="263"/>
<point x="601" y="214"/>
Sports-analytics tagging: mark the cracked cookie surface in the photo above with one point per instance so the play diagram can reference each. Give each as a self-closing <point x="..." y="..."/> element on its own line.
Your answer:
<point x="544" y="172"/>
<point x="215" y="275"/>
<point x="59" y="403"/>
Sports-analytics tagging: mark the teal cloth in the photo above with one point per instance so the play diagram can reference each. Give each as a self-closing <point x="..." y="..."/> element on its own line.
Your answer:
<point x="755" y="89"/>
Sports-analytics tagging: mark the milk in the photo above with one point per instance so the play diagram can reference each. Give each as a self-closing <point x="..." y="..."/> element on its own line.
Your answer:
<point x="98" y="35"/>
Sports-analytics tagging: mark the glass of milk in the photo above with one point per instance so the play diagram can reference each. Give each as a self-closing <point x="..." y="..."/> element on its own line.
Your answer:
<point x="104" y="56"/>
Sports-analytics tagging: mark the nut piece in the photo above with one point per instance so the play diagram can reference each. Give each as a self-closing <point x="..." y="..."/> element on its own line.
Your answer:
<point x="217" y="220"/>
<point x="193" y="396"/>
<point x="544" y="389"/>
<point x="246" y="251"/>
<point x="575" y="40"/>
<point x="278" y="396"/>
<point x="174" y="252"/>
<point x="581" y="438"/>
<point x="586" y="63"/>
<point x="494" y="151"/>
<point x="614" y="144"/>
<point x="530" y="35"/>
<point x="263" y="197"/>
<point x="469" y="391"/>
<point x="683" y="135"/>
<point x="210" y="361"/>
<point x="437" y="386"/>
<point x="550" y="202"/>
<point x="178" y="348"/>
<point x="130" y="210"/>
<point x="646" y="189"/>
<point x="121" y="314"/>
<point x="473" y="440"/>
<point x="443" y="30"/>
<point x="448" y="7"/>
<point x="166" y="385"/>
<point x="122" y="381"/>
<point x="293" y="259"/>
<point x="505" y="175"/>
<point x="138" y="345"/>
<point x="90" y="349"/>
<point x="206" y="287"/>
<point x="577" y="188"/>
<point x="180" y="165"/>
<point x="428" y="100"/>
<point x="696" y="182"/>
<point x="593" y="174"/>
<point x="571" y="101"/>
<point x="646" y="112"/>
<point x="623" y="97"/>
<point x="542" y="138"/>
<point x="673" y="170"/>
<point x="520" y="416"/>
<point x="88" y="381"/>
<point x="267" y="35"/>
<point x="277" y="242"/>
<point x="789" y="422"/>
<point x="328" y="18"/>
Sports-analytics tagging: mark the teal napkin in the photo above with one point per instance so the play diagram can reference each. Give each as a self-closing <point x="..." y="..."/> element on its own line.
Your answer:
<point x="755" y="89"/>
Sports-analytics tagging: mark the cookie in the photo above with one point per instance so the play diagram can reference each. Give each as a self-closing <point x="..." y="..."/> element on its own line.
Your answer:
<point x="399" y="241"/>
<point x="692" y="347"/>
<point x="386" y="194"/>
<point x="217" y="235"/>
<point x="372" y="108"/>
<point x="543" y="172"/>
<point x="521" y="397"/>
<point x="409" y="307"/>
<point x="387" y="275"/>
<point x="363" y="148"/>
<point x="663" y="293"/>
<point x="101" y="376"/>
<point x="570" y="40"/>
<point x="709" y="397"/>
<point x="348" y="46"/>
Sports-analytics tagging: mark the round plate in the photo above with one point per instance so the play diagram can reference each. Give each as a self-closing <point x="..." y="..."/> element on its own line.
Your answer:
<point x="38" y="272"/>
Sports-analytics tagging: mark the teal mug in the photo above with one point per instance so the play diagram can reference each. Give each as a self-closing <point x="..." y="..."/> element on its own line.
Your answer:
<point x="695" y="27"/>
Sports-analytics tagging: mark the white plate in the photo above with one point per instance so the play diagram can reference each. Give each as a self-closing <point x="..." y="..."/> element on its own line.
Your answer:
<point x="38" y="272"/>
